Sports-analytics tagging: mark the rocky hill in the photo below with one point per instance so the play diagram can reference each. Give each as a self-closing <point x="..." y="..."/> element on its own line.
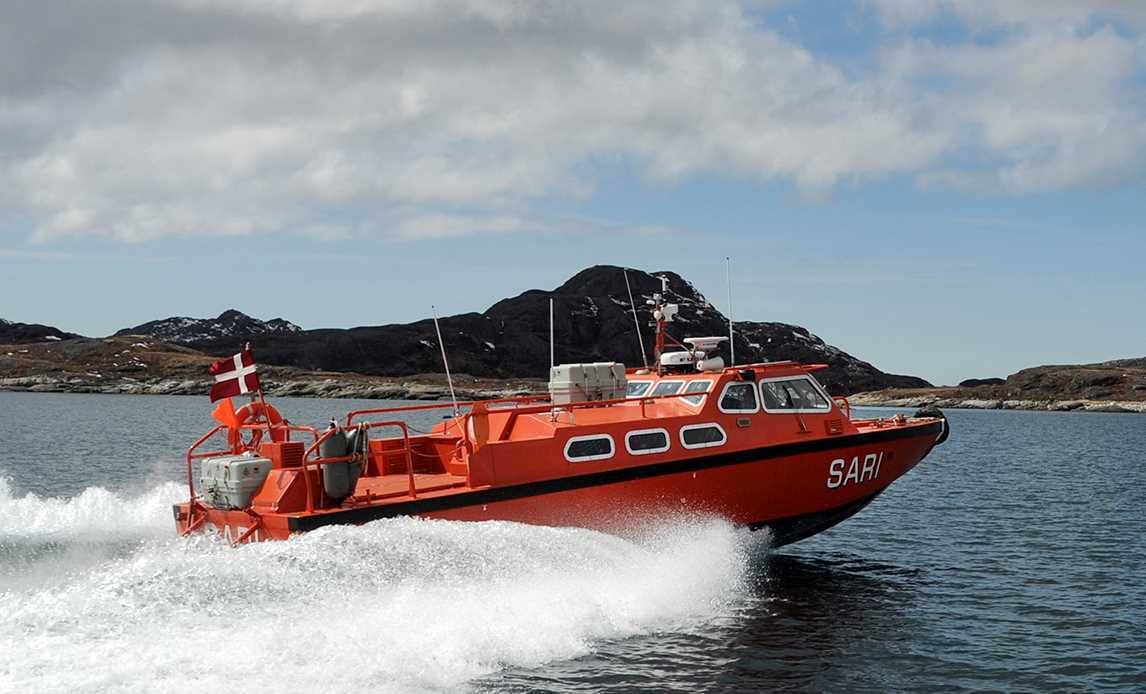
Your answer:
<point x="593" y="322"/>
<point x="1111" y="386"/>
<point x="22" y="333"/>
<point x="231" y="327"/>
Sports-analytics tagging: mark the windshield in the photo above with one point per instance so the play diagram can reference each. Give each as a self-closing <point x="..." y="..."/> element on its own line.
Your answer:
<point x="667" y="388"/>
<point x="792" y="394"/>
<point x="696" y="387"/>
<point x="637" y="388"/>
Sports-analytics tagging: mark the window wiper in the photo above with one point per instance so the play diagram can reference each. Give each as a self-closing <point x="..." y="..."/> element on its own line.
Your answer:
<point x="792" y="402"/>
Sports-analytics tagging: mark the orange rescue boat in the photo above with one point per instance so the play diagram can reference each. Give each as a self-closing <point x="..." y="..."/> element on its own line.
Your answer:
<point x="763" y="445"/>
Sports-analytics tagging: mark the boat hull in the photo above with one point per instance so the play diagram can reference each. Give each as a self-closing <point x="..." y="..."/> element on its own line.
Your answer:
<point x="794" y="489"/>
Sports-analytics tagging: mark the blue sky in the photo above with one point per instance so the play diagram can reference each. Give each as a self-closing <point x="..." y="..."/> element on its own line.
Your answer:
<point x="950" y="189"/>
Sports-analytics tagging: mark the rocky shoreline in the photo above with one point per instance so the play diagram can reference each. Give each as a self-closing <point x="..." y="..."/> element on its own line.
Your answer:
<point x="298" y="388"/>
<point x="879" y="399"/>
<point x="131" y="366"/>
<point x="363" y="388"/>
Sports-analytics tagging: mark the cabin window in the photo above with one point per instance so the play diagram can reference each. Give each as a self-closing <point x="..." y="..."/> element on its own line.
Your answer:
<point x="702" y="436"/>
<point x="793" y="395"/>
<point x="696" y="387"/>
<point x="581" y="449"/>
<point x="637" y="388"/>
<point x="667" y="388"/>
<point x="739" y="398"/>
<point x="646" y="441"/>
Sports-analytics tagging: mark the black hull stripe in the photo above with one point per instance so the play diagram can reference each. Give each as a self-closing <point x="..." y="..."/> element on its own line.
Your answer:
<point x="596" y="479"/>
<point x="785" y="531"/>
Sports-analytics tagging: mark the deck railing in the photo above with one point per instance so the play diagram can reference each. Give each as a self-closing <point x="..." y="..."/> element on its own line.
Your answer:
<point x="522" y="405"/>
<point x="517" y="406"/>
<point x="192" y="455"/>
<point x="318" y="463"/>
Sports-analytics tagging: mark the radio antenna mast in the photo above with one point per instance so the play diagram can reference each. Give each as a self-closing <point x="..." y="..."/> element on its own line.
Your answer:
<point x="552" y="343"/>
<point x="636" y="323"/>
<point x="445" y="362"/>
<point x="728" y="278"/>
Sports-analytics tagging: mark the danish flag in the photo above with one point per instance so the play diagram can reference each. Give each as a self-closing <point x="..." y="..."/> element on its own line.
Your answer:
<point x="235" y="376"/>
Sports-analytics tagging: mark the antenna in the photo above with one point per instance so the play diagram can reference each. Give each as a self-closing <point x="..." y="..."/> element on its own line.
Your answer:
<point x="636" y="323"/>
<point x="445" y="362"/>
<point x="731" y="342"/>
<point x="552" y="349"/>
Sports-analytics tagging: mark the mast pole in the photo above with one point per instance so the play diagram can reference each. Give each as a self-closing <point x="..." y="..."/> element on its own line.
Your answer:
<point x="658" y="314"/>
<point x="552" y="343"/>
<point x="636" y="322"/>
<point x="445" y="362"/>
<point x="728" y="279"/>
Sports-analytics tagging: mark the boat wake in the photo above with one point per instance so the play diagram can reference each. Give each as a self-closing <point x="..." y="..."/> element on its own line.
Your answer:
<point x="97" y="594"/>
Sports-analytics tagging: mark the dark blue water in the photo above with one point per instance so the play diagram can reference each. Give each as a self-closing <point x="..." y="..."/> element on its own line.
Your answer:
<point x="1013" y="558"/>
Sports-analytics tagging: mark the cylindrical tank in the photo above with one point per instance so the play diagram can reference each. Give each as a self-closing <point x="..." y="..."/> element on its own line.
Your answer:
<point x="711" y="364"/>
<point x="339" y="479"/>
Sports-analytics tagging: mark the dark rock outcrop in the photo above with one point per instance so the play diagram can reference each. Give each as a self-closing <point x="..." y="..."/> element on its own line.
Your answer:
<point x="976" y="382"/>
<point x="22" y="333"/>
<point x="231" y="327"/>
<point x="593" y="322"/>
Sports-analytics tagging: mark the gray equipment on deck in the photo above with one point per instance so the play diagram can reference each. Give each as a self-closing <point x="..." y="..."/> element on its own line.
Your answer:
<point x="229" y="481"/>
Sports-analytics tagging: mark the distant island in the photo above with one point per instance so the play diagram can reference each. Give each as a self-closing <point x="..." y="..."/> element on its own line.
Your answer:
<point x="1112" y="386"/>
<point x="501" y="351"/>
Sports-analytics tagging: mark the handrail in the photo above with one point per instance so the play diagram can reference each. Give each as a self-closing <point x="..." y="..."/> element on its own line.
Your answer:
<point x="405" y="447"/>
<point x="193" y="456"/>
<point x="531" y="409"/>
<point x="319" y="462"/>
<point x="441" y="406"/>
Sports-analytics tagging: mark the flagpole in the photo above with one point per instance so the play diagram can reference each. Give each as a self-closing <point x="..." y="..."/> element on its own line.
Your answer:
<point x="262" y="397"/>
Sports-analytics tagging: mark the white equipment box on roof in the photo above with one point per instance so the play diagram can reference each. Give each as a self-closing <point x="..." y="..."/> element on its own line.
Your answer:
<point x="570" y="383"/>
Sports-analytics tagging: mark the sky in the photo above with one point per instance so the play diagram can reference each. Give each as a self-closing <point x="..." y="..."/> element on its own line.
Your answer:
<point x="946" y="188"/>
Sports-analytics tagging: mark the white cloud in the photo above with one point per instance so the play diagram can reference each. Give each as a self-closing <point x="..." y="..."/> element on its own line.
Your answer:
<point x="1048" y="109"/>
<point x="139" y="120"/>
<point x="988" y="13"/>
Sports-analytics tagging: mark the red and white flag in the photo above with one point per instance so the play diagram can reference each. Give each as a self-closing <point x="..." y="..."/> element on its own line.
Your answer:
<point x="235" y="376"/>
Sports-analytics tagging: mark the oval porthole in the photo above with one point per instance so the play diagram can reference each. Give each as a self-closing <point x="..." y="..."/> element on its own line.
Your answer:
<point x="581" y="449"/>
<point x="647" y="441"/>
<point x="702" y="436"/>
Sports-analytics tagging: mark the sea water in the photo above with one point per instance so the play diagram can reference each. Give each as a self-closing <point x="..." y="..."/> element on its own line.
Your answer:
<point x="1014" y="557"/>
